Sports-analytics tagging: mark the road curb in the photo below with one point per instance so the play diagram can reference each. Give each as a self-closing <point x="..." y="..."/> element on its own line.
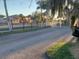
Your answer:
<point x="67" y="38"/>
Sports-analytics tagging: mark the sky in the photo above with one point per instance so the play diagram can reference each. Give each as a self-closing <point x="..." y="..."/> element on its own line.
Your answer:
<point x="18" y="7"/>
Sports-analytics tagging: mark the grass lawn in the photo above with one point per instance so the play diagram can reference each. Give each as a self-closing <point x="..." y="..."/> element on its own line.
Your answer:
<point x="15" y="28"/>
<point x="22" y="30"/>
<point x="60" y="50"/>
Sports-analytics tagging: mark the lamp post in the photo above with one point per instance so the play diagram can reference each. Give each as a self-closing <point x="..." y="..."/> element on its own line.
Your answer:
<point x="8" y="20"/>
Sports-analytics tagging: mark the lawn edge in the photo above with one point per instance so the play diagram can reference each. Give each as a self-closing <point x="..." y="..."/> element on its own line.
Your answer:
<point x="64" y="38"/>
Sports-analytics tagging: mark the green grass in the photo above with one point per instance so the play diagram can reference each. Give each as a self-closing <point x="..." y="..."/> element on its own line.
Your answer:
<point x="22" y="30"/>
<point x="15" y="28"/>
<point x="12" y="32"/>
<point x="60" y="50"/>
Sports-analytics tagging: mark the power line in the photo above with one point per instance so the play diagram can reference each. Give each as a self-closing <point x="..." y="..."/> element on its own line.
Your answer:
<point x="30" y="3"/>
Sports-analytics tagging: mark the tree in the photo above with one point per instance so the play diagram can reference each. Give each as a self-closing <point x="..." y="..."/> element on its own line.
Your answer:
<point x="22" y="20"/>
<point x="36" y="17"/>
<point x="60" y="7"/>
<point x="2" y="16"/>
<point x="53" y="5"/>
<point x="8" y="20"/>
<point x="55" y="8"/>
<point x="76" y="8"/>
<point x="42" y="4"/>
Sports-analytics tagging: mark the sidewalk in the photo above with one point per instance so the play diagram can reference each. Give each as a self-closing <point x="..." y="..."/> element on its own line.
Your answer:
<point x="75" y="49"/>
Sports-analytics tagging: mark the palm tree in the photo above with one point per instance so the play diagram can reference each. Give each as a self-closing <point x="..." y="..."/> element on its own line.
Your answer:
<point x="8" y="20"/>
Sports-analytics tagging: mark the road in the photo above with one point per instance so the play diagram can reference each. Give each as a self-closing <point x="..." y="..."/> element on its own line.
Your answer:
<point x="30" y="45"/>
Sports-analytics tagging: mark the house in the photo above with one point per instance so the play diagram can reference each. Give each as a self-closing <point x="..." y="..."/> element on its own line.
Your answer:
<point x="15" y="19"/>
<point x="2" y="21"/>
<point x="29" y="19"/>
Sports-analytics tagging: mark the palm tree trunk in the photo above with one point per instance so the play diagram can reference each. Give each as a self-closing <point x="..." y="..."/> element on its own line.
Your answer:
<point x="8" y="20"/>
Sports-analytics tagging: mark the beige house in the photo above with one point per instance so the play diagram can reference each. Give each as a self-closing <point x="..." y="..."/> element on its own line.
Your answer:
<point x="16" y="19"/>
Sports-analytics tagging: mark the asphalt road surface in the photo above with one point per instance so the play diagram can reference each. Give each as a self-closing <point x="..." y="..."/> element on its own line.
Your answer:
<point x="30" y="45"/>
